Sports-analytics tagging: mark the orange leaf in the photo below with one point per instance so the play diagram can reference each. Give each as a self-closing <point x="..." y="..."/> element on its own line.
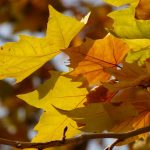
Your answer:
<point x="139" y="98"/>
<point x="91" y="58"/>
<point x="143" y="120"/>
<point x="143" y="10"/>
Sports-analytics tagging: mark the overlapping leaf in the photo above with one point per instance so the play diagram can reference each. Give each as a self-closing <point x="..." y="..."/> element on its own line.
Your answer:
<point x="130" y="27"/>
<point x="139" y="50"/>
<point x="20" y="59"/>
<point x="122" y="104"/>
<point x="120" y="3"/>
<point x="138" y="56"/>
<point x="135" y="31"/>
<point x="100" y="94"/>
<point x="140" y="99"/>
<point x="62" y="93"/>
<point x="130" y="76"/>
<point x="101" y="116"/>
<point x="132" y="87"/>
<point x="90" y="59"/>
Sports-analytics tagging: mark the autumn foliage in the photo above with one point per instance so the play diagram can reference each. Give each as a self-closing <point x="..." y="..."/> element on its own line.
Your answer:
<point x="107" y="87"/>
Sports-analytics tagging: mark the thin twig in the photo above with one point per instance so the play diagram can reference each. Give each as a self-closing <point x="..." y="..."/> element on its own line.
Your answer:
<point x="83" y="137"/>
<point x="113" y="144"/>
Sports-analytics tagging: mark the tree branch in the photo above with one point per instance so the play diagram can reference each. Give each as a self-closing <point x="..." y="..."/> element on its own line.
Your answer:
<point x="75" y="140"/>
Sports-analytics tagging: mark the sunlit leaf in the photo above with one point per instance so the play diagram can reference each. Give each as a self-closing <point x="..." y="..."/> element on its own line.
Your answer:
<point x="62" y="93"/>
<point x="92" y="57"/>
<point x="129" y="27"/>
<point x="20" y="59"/>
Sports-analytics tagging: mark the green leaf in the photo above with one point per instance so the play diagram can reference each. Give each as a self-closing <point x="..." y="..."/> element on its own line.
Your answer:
<point x="129" y="27"/>
<point x="138" y="56"/>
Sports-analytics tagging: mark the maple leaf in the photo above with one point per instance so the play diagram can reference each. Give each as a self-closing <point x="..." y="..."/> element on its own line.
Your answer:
<point x="138" y="56"/>
<point x="97" y="117"/>
<point x="130" y="27"/>
<point x="139" y="98"/>
<point x="20" y="59"/>
<point x="134" y="31"/>
<point x="139" y="50"/>
<point x="90" y="59"/>
<point x="132" y="86"/>
<point x="131" y="75"/>
<point x="62" y="93"/>
<point x="51" y="126"/>
<point x="138" y="44"/>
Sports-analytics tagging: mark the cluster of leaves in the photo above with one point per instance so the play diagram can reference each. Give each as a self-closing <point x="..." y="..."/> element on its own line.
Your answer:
<point x="108" y="87"/>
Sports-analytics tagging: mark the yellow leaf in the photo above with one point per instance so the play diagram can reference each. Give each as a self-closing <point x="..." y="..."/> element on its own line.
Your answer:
<point x="62" y="93"/>
<point x="121" y="2"/>
<point x="51" y="126"/>
<point x="138" y="44"/>
<point x="135" y="32"/>
<point x="22" y="58"/>
<point x="129" y="27"/>
<point x="138" y="56"/>
<point x="61" y="29"/>
<point x="58" y="91"/>
<point x="139" y="50"/>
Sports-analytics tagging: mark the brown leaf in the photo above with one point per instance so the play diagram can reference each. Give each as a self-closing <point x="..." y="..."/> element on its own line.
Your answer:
<point x="131" y="75"/>
<point x="100" y="94"/>
<point x="143" y="10"/>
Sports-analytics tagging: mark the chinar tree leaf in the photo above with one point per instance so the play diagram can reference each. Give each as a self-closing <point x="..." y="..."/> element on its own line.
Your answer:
<point x="97" y="117"/>
<point x="20" y="59"/>
<point x="132" y="75"/>
<point x="62" y="93"/>
<point x="130" y="27"/>
<point x="139" y="56"/>
<point x="91" y="58"/>
<point x="139" y="50"/>
<point x="51" y="126"/>
<point x="135" y="32"/>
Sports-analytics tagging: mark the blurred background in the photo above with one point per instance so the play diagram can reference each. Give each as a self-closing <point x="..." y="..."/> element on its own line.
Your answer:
<point x="29" y="17"/>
